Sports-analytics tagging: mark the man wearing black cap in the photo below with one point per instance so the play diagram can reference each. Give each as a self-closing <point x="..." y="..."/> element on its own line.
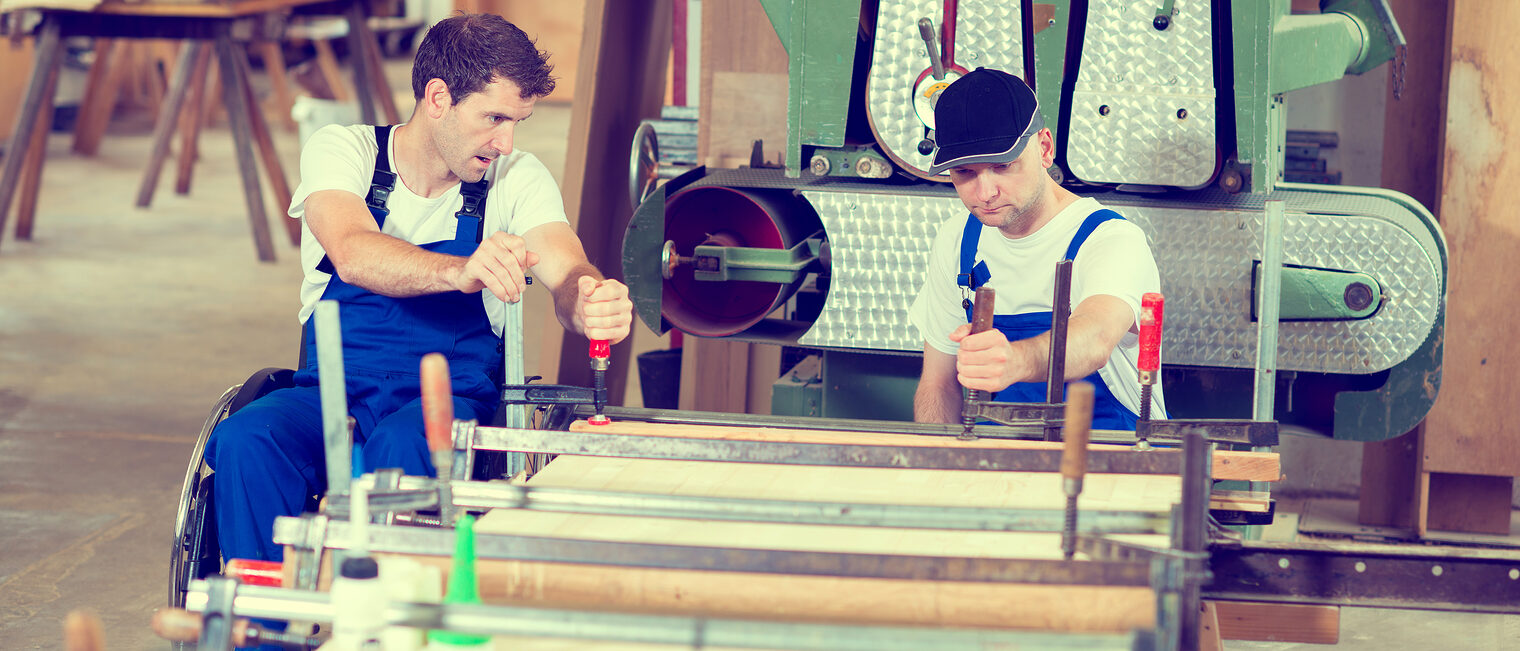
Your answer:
<point x="993" y="142"/>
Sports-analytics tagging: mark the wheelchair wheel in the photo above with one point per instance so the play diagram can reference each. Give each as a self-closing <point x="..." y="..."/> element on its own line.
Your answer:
<point x="194" y="553"/>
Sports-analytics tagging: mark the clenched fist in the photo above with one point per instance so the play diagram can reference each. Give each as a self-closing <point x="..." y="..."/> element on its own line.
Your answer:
<point x="602" y="309"/>
<point x="500" y="264"/>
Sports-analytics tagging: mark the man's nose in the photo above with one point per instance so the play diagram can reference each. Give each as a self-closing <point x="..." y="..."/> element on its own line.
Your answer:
<point x="501" y="140"/>
<point x="986" y="189"/>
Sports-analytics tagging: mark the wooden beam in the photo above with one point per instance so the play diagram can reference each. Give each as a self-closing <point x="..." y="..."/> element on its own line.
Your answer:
<point x="1269" y="622"/>
<point x="621" y="81"/>
<point x="1228" y="464"/>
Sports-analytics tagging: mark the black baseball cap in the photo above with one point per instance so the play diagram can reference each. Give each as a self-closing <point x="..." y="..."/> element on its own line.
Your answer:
<point x="986" y="116"/>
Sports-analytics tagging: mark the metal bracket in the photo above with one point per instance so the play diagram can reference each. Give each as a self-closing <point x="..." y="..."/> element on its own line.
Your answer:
<point x="1256" y="433"/>
<point x="216" y="619"/>
<point x="309" y="551"/>
<point x="724" y="263"/>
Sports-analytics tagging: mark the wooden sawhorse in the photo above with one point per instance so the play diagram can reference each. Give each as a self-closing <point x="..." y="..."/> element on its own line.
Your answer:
<point x="209" y="27"/>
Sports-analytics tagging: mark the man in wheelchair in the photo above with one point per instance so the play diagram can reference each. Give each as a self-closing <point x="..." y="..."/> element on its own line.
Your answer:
<point x="420" y="231"/>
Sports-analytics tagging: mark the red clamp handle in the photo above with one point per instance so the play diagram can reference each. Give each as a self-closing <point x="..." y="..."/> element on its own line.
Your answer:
<point x="251" y="572"/>
<point x="600" y="349"/>
<point x="1152" y="309"/>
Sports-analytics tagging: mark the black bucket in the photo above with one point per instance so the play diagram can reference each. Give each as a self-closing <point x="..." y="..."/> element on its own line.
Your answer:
<point x="660" y="378"/>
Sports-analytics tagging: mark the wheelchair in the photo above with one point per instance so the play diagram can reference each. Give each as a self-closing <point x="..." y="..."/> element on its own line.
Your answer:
<point x="195" y="553"/>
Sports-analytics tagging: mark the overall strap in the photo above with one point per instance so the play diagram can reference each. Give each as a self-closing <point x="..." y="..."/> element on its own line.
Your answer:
<point x="1088" y="226"/>
<point x="973" y="274"/>
<point x="384" y="180"/>
<point x="472" y="213"/>
<point x="380" y="186"/>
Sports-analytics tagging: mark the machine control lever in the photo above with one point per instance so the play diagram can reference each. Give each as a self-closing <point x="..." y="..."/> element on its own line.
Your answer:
<point x="931" y="43"/>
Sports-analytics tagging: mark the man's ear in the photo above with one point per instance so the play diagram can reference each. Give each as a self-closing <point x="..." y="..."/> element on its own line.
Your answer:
<point x="1047" y="148"/>
<point x="436" y="98"/>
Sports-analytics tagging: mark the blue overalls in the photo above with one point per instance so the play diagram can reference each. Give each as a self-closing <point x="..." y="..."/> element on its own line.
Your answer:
<point x="1108" y="412"/>
<point x="269" y="457"/>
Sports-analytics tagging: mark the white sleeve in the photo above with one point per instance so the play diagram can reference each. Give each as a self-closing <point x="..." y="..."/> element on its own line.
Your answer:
<point x="336" y="157"/>
<point x="937" y="310"/>
<point x="1116" y="261"/>
<point x="525" y="196"/>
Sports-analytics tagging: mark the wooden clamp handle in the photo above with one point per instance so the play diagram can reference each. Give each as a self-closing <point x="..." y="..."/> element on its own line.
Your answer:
<point x="437" y="402"/>
<point x="1079" y="405"/>
<point x="981" y="310"/>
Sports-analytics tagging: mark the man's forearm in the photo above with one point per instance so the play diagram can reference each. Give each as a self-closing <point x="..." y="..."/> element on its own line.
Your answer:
<point x="933" y="403"/>
<point x="566" y="295"/>
<point x="1086" y="352"/>
<point x="391" y="267"/>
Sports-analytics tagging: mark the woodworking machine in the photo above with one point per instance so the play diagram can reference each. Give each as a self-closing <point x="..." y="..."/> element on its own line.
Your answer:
<point x="1170" y="112"/>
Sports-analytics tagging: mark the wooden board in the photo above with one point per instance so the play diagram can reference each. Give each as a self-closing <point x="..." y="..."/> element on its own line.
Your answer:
<point x="555" y="27"/>
<point x="1228" y="464"/>
<point x="813" y="598"/>
<point x="1469" y="429"/>
<point x="1268" y="622"/>
<point x="863" y="485"/>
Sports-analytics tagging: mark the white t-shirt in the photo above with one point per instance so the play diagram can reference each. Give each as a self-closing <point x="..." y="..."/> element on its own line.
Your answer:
<point x="1115" y="260"/>
<point x="522" y="195"/>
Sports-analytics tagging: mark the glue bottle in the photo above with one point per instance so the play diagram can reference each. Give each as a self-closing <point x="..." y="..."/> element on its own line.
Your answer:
<point x="462" y="590"/>
<point x="359" y="603"/>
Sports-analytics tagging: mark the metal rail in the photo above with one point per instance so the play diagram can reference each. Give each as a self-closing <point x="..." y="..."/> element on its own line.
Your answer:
<point x="1120" y="461"/>
<point x="417" y="493"/>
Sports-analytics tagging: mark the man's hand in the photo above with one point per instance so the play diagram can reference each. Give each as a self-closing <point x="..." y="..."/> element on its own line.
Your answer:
<point x="499" y="264"/>
<point x="602" y="309"/>
<point x="987" y="361"/>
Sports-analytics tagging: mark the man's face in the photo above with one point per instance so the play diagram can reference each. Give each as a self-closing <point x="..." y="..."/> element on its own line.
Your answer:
<point x="472" y="133"/>
<point x="1002" y="194"/>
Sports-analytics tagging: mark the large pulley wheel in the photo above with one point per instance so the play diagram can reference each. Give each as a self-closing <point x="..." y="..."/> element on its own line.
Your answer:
<point x="729" y="217"/>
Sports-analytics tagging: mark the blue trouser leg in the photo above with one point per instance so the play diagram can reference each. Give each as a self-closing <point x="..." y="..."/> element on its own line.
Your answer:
<point x="268" y="459"/>
<point x="399" y="440"/>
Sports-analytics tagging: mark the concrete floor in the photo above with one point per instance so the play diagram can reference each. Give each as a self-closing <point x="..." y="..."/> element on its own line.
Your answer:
<point x="119" y="327"/>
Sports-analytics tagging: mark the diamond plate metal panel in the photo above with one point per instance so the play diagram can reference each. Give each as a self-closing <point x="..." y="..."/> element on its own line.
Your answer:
<point x="987" y="35"/>
<point x="879" y="245"/>
<point x="1143" y="110"/>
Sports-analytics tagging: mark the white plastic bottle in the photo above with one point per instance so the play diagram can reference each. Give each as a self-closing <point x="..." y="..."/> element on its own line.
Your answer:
<point x="359" y="603"/>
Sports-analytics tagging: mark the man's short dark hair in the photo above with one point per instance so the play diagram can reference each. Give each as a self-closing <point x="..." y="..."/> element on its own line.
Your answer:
<point x="468" y="51"/>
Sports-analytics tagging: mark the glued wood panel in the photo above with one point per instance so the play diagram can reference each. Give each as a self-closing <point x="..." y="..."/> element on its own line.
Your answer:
<point x="1470" y="429"/>
<point x="1228" y="464"/>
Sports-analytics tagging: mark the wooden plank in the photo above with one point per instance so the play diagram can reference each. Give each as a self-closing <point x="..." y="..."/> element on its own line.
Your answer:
<point x="1413" y="124"/>
<point x="814" y="598"/>
<point x="1208" y="628"/>
<point x="811" y="598"/>
<point x="1471" y="503"/>
<point x="620" y="81"/>
<point x="1248" y="501"/>
<point x="1228" y="464"/>
<point x="556" y="27"/>
<point x="1468" y="429"/>
<point x="1270" y="622"/>
<point x="738" y="40"/>
<point x="714" y="375"/>
<point x="1006" y="490"/>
